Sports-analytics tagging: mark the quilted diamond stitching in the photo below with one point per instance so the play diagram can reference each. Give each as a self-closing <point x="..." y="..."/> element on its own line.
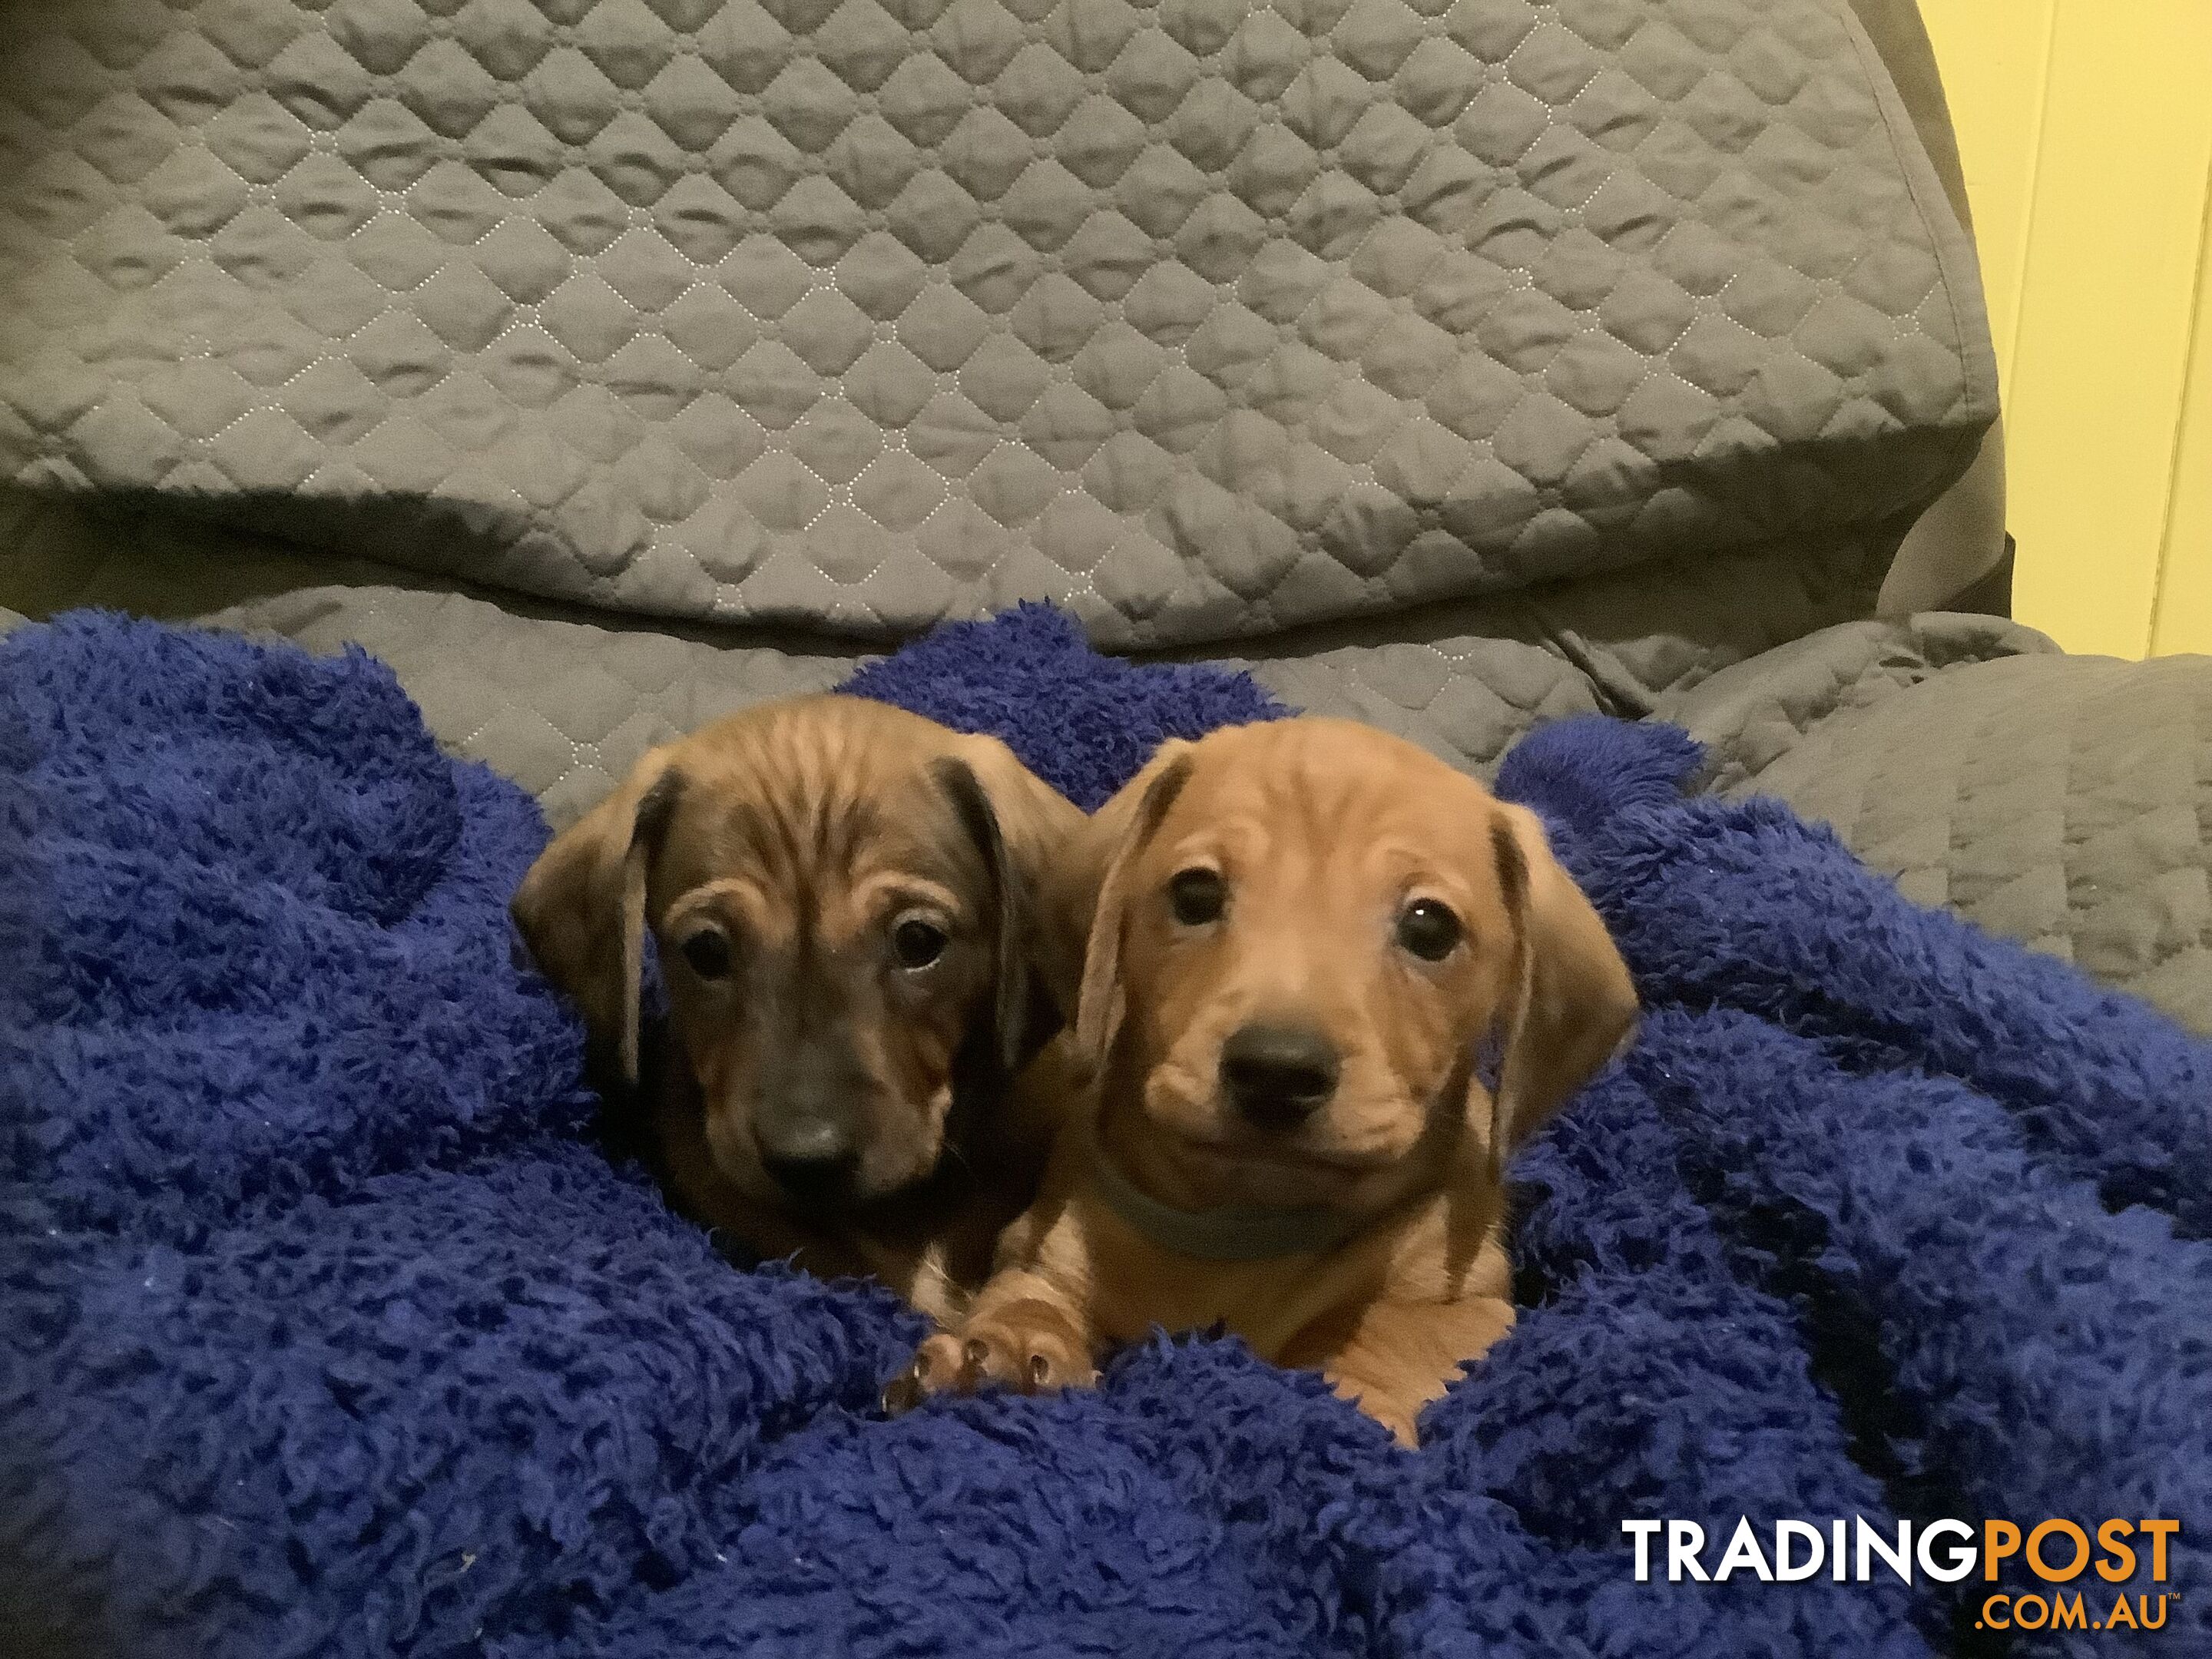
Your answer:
<point x="2064" y="802"/>
<point x="1486" y="273"/>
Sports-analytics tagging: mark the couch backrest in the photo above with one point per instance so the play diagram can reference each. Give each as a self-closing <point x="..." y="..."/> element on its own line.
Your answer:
<point x="1205" y="318"/>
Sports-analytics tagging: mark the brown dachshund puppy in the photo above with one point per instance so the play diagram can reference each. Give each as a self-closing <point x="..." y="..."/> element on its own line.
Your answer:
<point x="1306" y="935"/>
<point x="842" y="896"/>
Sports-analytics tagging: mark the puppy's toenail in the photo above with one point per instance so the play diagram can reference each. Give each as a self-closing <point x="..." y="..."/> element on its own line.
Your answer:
<point x="1040" y="1370"/>
<point x="978" y="1351"/>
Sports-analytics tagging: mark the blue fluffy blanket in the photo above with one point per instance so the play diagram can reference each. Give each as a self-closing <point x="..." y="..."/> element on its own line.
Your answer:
<point x="325" y="1328"/>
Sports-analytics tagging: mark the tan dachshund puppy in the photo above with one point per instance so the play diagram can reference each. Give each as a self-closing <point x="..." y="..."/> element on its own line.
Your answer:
<point x="842" y="896"/>
<point x="1306" y="934"/>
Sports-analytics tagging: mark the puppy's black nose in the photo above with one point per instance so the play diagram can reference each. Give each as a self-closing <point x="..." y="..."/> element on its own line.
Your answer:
<point x="814" y="1159"/>
<point x="1279" y="1075"/>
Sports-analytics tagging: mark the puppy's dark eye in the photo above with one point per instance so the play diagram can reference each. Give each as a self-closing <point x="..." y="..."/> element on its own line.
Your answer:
<point x="917" y="943"/>
<point x="1197" y="896"/>
<point x="1428" y="929"/>
<point x="709" y="953"/>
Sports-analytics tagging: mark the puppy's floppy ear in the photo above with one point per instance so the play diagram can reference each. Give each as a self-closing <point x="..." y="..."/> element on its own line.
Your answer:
<point x="1573" y="1002"/>
<point x="1096" y="890"/>
<point x="582" y="906"/>
<point x="1020" y="824"/>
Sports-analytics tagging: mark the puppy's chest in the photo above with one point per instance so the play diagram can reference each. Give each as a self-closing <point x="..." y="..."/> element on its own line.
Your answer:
<point x="1290" y="1309"/>
<point x="1137" y="1284"/>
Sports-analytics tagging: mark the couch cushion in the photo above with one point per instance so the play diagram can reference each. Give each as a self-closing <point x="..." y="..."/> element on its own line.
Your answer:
<point x="2064" y="801"/>
<point x="1202" y="320"/>
<point x="565" y="700"/>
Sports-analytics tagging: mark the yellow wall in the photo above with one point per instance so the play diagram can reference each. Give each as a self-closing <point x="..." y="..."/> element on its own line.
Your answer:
<point x="2084" y="127"/>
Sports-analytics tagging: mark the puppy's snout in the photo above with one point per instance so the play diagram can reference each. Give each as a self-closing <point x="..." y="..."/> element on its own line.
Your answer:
<point x="1277" y="1076"/>
<point x="814" y="1158"/>
<point x="808" y="1128"/>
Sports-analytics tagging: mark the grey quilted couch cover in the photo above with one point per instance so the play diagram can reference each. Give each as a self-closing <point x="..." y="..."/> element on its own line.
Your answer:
<point x="1203" y="319"/>
<point x="1456" y="363"/>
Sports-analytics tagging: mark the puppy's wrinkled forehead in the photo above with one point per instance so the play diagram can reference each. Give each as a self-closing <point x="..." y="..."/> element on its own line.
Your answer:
<point x="1317" y="800"/>
<point x="812" y="809"/>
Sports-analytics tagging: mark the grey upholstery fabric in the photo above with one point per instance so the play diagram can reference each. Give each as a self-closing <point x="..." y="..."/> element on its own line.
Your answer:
<point x="566" y="701"/>
<point x="1960" y="539"/>
<point x="2064" y="801"/>
<point x="1642" y="634"/>
<point x="1463" y="679"/>
<point x="1205" y="320"/>
<point x="565" y="704"/>
<point x="1467" y="699"/>
<point x="1751" y="714"/>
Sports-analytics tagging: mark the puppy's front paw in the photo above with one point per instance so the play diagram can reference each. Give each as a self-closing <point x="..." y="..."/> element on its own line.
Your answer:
<point x="1030" y="1348"/>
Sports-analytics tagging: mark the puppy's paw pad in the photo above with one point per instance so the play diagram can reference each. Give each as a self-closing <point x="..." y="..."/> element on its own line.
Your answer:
<point x="1051" y="1372"/>
<point x="945" y="1364"/>
<point x="1028" y="1349"/>
<point x="1032" y="1348"/>
<point x="939" y="1368"/>
<point x="900" y="1395"/>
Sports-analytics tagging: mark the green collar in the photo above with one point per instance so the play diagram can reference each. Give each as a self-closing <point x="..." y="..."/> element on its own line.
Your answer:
<point x="1254" y="1233"/>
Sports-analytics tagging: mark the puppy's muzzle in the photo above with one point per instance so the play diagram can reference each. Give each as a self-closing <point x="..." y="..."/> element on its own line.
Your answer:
<point x="1277" y="1076"/>
<point x="809" y="1129"/>
<point x="815" y="1162"/>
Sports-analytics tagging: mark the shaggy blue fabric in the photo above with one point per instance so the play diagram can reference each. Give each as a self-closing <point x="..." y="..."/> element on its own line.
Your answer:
<point x="327" y="1331"/>
<point x="1082" y="722"/>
